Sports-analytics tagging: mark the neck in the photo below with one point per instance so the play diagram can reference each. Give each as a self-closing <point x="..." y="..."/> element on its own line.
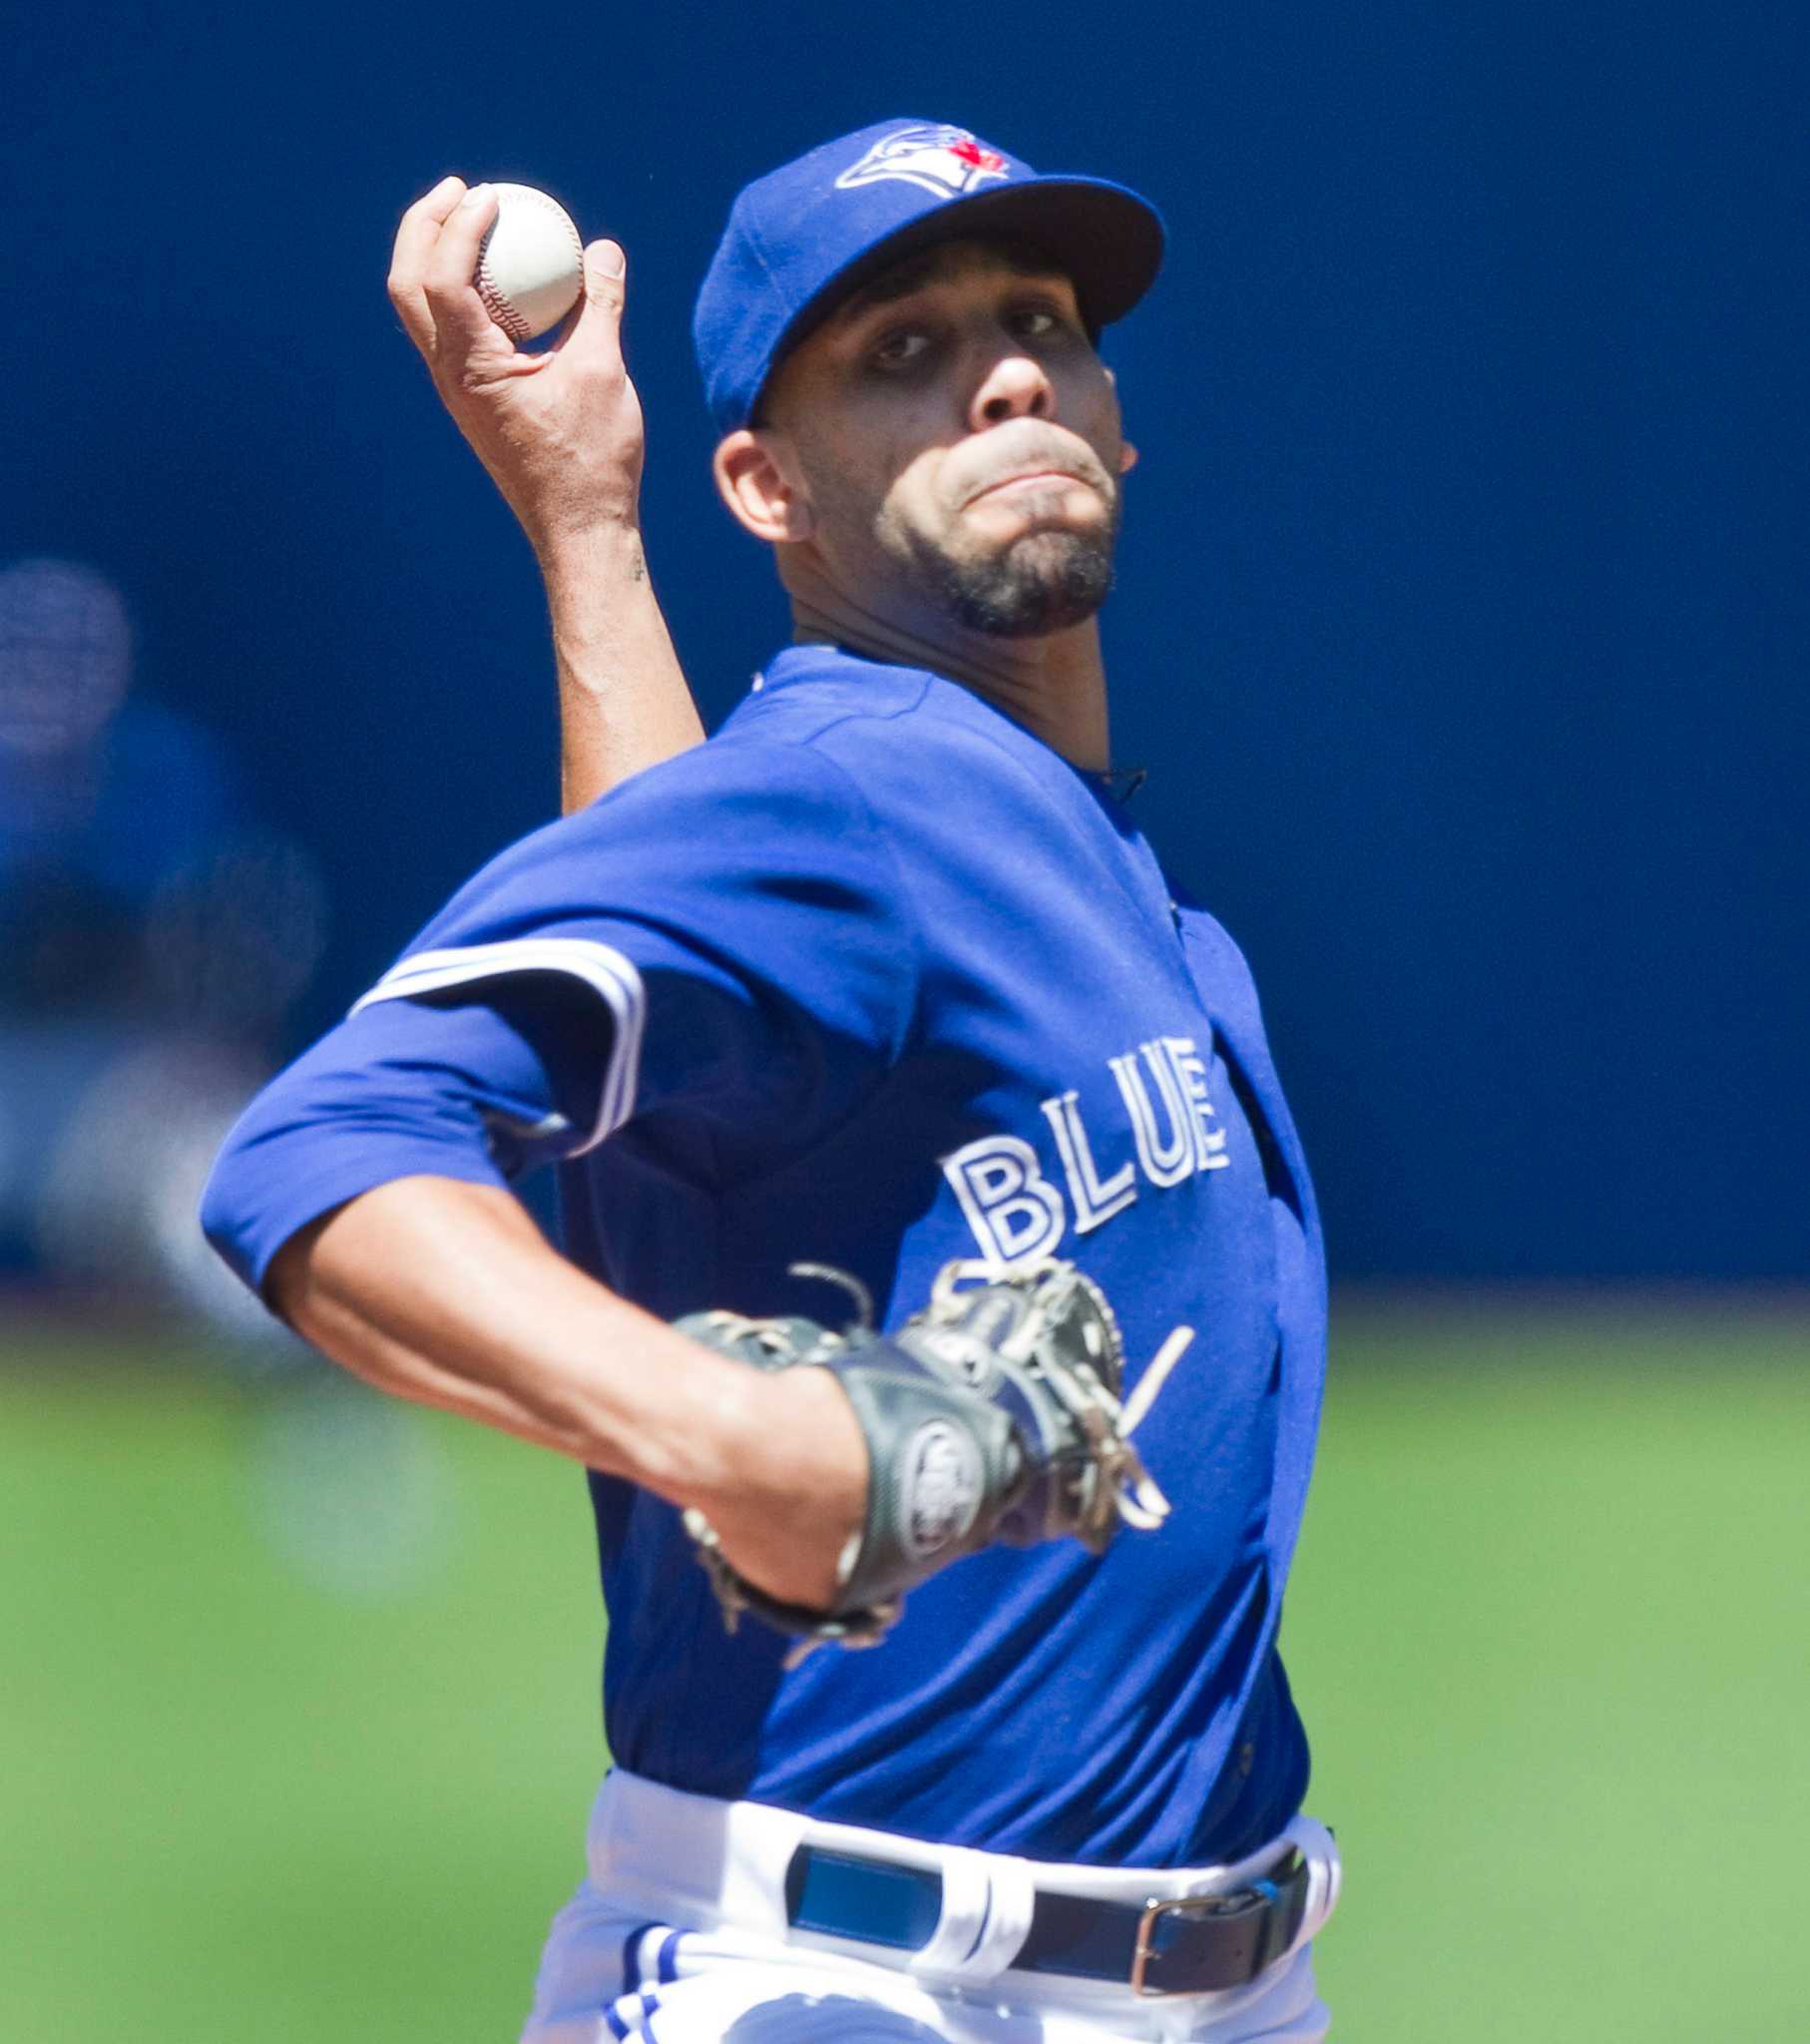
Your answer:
<point x="1056" y="685"/>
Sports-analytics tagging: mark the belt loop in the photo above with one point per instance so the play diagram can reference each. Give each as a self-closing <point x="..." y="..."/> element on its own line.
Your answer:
<point x="1011" y="1899"/>
<point x="967" y="1897"/>
<point x="1316" y="1845"/>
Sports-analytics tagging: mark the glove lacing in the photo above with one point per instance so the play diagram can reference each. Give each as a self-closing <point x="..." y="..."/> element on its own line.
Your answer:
<point x="1122" y="1484"/>
<point x="1125" y="1484"/>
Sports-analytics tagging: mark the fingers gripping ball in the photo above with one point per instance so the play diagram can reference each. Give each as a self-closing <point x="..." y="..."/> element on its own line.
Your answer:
<point x="992" y="1416"/>
<point x="531" y="264"/>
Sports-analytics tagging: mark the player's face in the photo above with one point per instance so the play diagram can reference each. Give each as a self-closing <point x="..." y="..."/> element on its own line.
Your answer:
<point x="959" y="440"/>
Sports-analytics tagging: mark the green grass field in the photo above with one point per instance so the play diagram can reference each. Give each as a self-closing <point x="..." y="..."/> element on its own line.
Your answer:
<point x="298" y="1725"/>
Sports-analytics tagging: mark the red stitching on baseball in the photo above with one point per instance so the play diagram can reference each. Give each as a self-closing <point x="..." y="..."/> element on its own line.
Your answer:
<point x="501" y="309"/>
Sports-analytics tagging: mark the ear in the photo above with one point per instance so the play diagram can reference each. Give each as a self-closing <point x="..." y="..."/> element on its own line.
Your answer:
<point x="1127" y="454"/>
<point x="759" y="480"/>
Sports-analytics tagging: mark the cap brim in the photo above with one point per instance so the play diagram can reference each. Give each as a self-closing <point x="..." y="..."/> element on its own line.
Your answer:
<point x="1101" y="236"/>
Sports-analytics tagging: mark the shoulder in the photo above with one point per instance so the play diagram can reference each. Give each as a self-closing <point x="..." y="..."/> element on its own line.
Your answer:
<point x="903" y="740"/>
<point x="832" y="774"/>
<point x="745" y="819"/>
<point x="759" y="786"/>
<point x="729" y="778"/>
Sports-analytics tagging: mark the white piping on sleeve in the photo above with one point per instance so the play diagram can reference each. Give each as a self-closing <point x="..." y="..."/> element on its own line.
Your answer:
<point x="603" y="969"/>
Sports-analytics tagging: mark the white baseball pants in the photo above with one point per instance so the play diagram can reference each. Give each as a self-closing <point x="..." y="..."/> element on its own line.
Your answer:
<point x="678" y="1936"/>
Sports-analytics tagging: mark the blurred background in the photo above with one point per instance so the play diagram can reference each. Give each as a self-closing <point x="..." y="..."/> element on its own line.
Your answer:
<point x="1461" y="621"/>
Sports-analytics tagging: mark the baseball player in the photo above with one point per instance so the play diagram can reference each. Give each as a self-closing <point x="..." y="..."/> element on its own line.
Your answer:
<point x="944" y="1537"/>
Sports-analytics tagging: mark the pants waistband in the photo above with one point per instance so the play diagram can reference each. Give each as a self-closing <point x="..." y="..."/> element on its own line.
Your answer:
<point x="695" y="1859"/>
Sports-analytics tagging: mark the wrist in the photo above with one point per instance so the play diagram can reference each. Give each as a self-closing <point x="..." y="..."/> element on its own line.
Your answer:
<point x="789" y="1444"/>
<point x="789" y="1511"/>
<point x="573" y="556"/>
<point x="702" y="1421"/>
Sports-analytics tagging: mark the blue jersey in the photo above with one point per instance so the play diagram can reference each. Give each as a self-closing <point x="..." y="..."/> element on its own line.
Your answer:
<point x="875" y="978"/>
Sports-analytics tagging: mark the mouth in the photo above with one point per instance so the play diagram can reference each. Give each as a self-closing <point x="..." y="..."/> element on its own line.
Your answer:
<point x="1029" y="482"/>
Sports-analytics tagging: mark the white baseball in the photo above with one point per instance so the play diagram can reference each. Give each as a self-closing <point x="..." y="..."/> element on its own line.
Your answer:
<point x="531" y="266"/>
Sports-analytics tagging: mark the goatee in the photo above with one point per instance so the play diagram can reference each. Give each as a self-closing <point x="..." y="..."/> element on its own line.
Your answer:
<point x="1042" y="583"/>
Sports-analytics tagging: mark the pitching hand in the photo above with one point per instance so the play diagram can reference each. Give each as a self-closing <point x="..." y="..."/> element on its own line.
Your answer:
<point x="560" y="431"/>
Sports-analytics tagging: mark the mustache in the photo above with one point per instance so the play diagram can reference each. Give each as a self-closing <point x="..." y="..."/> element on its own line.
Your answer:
<point x="1028" y="447"/>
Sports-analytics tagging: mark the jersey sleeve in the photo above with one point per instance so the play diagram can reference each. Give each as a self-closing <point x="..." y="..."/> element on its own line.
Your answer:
<point x="722" y="938"/>
<point x="395" y="1091"/>
<point x="718" y="946"/>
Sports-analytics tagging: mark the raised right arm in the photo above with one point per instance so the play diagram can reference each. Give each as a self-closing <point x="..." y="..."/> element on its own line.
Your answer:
<point x="561" y="434"/>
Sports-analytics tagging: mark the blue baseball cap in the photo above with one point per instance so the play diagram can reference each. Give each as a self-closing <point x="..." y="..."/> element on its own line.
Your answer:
<point x="800" y="239"/>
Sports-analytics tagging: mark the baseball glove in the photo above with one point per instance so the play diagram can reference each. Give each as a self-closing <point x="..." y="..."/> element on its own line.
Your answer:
<point x="992" y="1415"/>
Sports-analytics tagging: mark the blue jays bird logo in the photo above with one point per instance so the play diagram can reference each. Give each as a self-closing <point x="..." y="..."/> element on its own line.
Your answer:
<point x="946" y="162"/>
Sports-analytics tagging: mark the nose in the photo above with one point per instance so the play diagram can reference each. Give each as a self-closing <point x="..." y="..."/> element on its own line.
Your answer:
<point x="1013" y="387"/>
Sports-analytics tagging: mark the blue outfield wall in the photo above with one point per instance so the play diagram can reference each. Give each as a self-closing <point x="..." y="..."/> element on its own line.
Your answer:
<point x="1462" y="604"/>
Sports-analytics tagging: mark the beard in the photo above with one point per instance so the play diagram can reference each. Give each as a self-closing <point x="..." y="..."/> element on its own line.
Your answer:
<point x="1040" y="583"/>
<point x="1049" y="578"/>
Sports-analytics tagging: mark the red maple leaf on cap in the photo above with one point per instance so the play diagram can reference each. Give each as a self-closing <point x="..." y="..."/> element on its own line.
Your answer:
<point x="971" y="152"/>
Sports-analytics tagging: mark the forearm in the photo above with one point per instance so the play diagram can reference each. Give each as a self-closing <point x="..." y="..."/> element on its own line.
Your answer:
<point x="561" y="435"/>
<point x="446" y="1293"/>
<point x="624" y="701"/>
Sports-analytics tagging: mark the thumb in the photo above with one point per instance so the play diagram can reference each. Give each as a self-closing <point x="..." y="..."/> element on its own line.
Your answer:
<point x="596" y="327"/>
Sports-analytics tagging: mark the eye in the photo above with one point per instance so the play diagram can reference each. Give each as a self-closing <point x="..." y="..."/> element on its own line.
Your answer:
<point x="1037" y="322"/>
<point x="899" y="348"/>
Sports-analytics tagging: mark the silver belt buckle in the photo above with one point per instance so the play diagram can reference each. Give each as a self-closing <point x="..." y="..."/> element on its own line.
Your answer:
<point x="1153" y="1912"/>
